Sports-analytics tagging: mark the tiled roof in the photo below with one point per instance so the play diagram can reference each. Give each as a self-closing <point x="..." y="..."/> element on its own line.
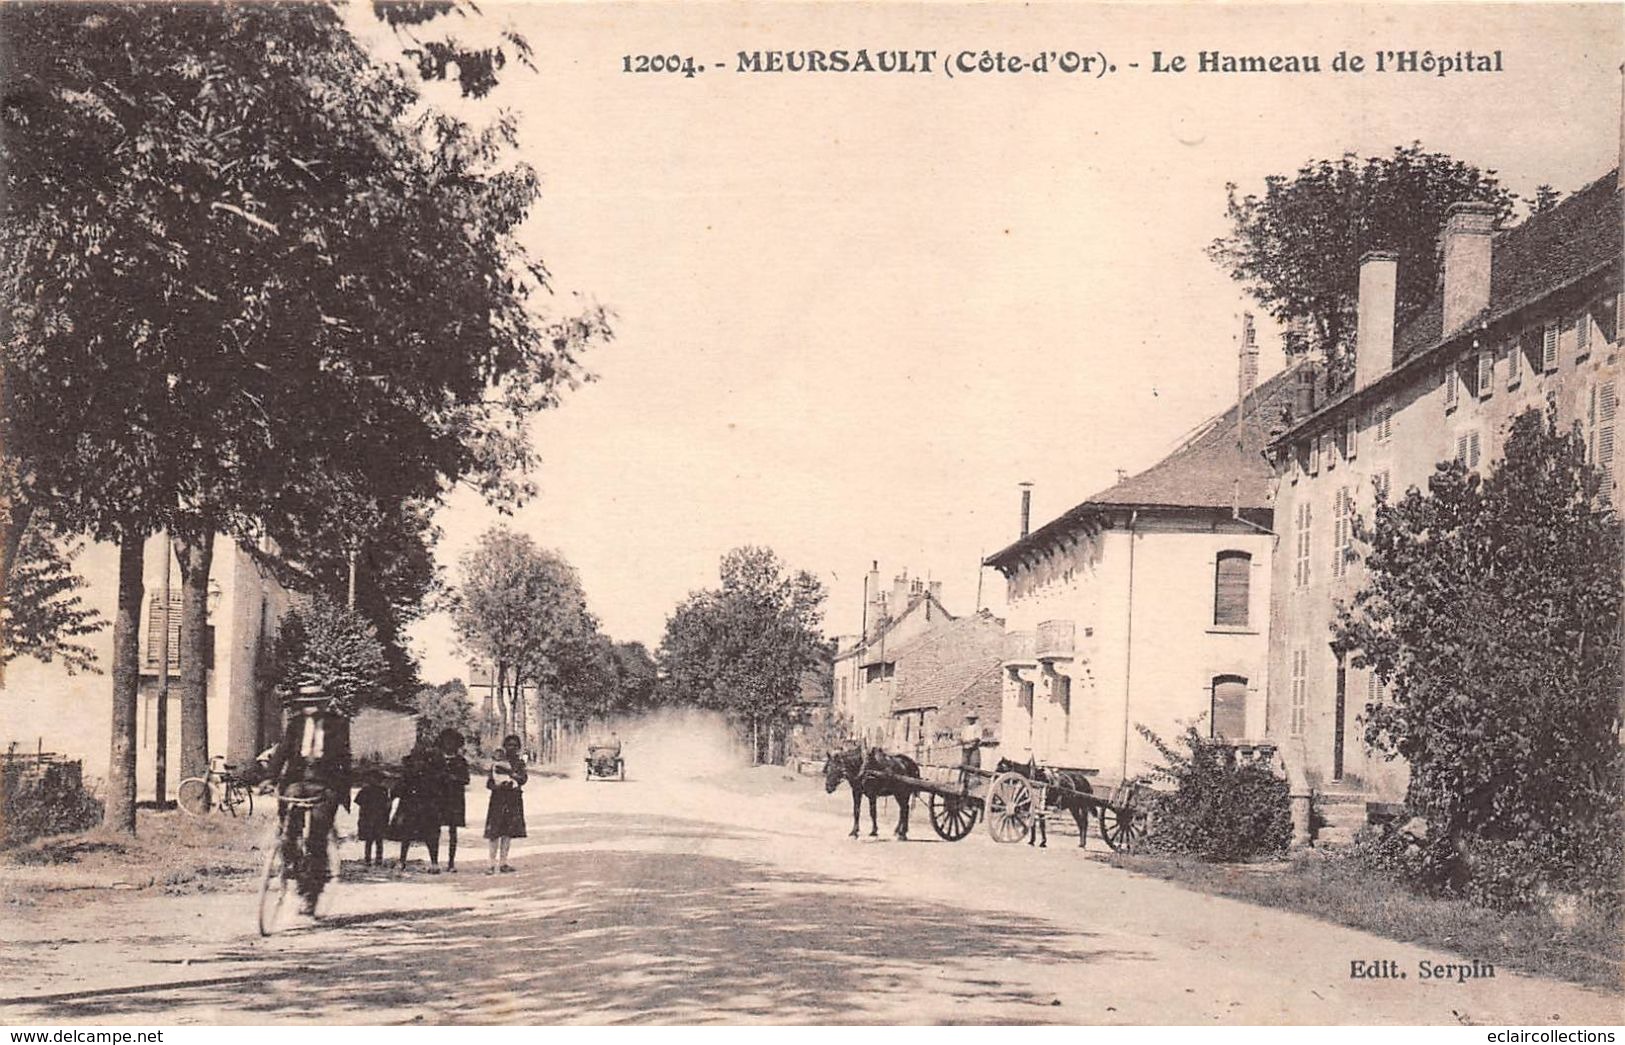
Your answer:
<point x="1530" y="260"/>
<point x="1203" y="472"/>
<point x="937" y="666"/>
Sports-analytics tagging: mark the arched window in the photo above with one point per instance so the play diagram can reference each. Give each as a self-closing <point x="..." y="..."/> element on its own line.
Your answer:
<point x="1232" y="577"/>
<point x="1229" y="707"/>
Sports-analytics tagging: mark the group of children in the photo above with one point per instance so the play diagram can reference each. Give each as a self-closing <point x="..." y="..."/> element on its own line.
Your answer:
<point x="430" y="795"/>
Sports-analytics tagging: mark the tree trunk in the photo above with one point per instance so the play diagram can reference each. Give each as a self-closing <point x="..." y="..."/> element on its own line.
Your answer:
<point x="755" y="742"/>
<point x="500" y="690"/>
<point x="160" y="747"/>
<point x="195" y="552"/>
<point x="120" y="814"/>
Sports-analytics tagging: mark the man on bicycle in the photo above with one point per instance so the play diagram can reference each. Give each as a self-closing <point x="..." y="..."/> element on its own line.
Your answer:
<point x="312" y="762"/>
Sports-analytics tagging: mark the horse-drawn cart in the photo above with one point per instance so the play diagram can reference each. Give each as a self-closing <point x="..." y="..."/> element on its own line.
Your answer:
<point x="1015" y="799"/>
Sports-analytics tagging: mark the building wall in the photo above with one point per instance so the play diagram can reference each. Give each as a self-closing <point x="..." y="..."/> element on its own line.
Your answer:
<point x="1423" y="432"/>
<point x="1147" y="649"/>
<point x="869" y="703"/>
<point x="42" y="705"/>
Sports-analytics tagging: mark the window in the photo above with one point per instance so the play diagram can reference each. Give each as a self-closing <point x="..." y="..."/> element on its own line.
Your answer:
<point x="1300" y="691"/>
<point x="1232" y="579"/>
<point x="1486" y="372"/>
<point x="1294" y="463"/>
<point x="1467" y="449"/>
<point x="1351" y="437"/>
<point x="1582" y="334"/>
<point x="1607" y="407"/>
<point x="1383" y="422"/>
<point x="879" y="672"/>
<point x="1548" y="348"/>
<point x="1452" y="387"/>
<point x="1314" y="456"/>
<point x="1342" y="532"/>
<point x="1330" y="451"/>
<point x="1514" y="363"/>
<point x="1229" y="718"/>
<point x="155" y="627"/>
<point x="1375" y="691"/>
<point x="1303" y="522"/>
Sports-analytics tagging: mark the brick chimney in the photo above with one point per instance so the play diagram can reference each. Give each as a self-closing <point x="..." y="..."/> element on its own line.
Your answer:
<point x="1247" y="373"/>
<point x="1374" y="337"/>
<point x="1465" y="243"/>
<point x="899" y="593"/>
<point x="875" y="609"/>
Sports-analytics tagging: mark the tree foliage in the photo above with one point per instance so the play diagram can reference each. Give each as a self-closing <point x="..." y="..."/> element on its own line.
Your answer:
<point x="744" y="646"/>
<point x="1297" y="246"/>
<point x="44" y="613"/>
<point x="334" y="648"/>
<point x="444" y="707"/>
<point x="521" y="609"/>
<point x="1219" y="808"/>
<point x="1491" y="614"/>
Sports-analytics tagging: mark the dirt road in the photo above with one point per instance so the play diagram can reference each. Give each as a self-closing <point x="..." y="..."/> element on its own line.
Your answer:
<point x="737" y="898"/>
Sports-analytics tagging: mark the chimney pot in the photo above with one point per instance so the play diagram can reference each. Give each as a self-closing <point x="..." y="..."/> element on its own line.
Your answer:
<point x="1374" y="335"/>
<point x="1469" y="229"/>
<point x="1247" y="373"/>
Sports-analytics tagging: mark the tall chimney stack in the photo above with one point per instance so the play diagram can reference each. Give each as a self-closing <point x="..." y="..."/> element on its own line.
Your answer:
<point x="1469" y="228"/>
<point x="1026" y="506"/>
<point x="1374" y="336"/>
<point x="1247" y="375"/>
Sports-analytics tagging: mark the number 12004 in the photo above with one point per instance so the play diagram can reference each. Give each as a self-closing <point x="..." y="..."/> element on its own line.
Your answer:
<point x="659" y="63"/>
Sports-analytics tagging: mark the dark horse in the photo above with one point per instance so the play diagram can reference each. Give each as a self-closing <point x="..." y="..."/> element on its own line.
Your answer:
<point x="871" y="775"/>
<point x="1061" y="794"/>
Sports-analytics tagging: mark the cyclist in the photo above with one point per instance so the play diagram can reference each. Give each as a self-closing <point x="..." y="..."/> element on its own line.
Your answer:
<point x="312" y="762"/>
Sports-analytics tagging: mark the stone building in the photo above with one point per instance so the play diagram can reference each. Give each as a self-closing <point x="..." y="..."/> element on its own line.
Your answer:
<point x="942" y="676"/>
<point x="1147" y="604"/>
<point x="41" y="705"/>
<point x="1525" y="318"/>
<point x="865" y="666"/>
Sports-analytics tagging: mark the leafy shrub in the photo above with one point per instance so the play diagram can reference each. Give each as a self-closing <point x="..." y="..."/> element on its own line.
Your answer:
<point x="1219" y="808"/>
<point x="56" y="805"/>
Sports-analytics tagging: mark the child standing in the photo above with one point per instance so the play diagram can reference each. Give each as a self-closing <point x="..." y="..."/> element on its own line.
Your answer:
<point x="417" y="814"/>
<point x="372" y="817"/>
<point x="453" y="782"/>
<point x="505" y="819"/>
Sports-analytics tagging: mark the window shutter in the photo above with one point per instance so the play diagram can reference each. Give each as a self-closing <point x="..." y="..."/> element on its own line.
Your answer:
<point x="1472" y="445"/>
<point x="155" y="624"/>
<point x="1351" y="437"/>
<point x="1232" y="578"/>
<point x="1548" y="348"/>
<point x="1452" y="389"/>
<point x="1379" y="485"/>
<point x="1582" y="333"/>
<point x="1461" y="449"/>
<point x="1314" y="456"/>
<point x="1486" y="371"/>
<point x="1514" y="362"/>
<point x="1607" y="407"/>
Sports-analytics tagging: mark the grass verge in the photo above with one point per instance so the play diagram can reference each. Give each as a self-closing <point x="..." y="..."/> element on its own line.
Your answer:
<point x="1587" y="949"/>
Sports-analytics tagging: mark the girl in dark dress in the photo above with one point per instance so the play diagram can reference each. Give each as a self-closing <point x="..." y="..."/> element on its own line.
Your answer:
<point x="372" y="819"/>
<point x="505" y="819"/>
<point x="454" y="777"/>
<point x="417" y="812"/>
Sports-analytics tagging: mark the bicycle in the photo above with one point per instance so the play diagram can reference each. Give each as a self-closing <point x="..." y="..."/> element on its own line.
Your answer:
<point x="279" y="879"/>
<point x="221" y="788"/>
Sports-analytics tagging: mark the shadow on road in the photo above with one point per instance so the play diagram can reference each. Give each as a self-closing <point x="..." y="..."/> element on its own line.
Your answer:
<point x="611" y="936"/>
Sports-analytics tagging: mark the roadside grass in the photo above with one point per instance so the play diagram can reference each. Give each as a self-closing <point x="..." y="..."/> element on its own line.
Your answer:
<point x="170" y="851"/>
<point x="1588" y="948"/>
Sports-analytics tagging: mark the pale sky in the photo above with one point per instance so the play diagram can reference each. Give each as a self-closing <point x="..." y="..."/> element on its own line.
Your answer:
<point x="854" y="310"/>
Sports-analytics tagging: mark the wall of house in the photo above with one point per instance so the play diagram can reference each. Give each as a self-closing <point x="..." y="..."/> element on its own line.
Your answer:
<point x="1147" y="649"/>
<point x="42" y="705"/>
<point x="1423" y="431"/>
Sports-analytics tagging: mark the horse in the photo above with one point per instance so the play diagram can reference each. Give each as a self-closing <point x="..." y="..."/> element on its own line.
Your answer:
<point x="871" y="776"/>
<point x="1062" y="792"/>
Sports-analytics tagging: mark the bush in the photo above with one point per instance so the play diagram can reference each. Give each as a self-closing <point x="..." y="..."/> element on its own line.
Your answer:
<point x="1218" y="809"/>
<point x="57" y="804"/>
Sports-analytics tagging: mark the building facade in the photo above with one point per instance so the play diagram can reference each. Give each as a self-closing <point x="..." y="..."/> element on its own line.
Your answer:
<point x="42" y="706"/>
<point x="942" y="676"/>
<point x="1528" y="318"/>
<point x="864" y="672"/>
<point x="1147" y="604"/>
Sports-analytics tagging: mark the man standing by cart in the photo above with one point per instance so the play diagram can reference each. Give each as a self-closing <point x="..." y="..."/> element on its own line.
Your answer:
<point x="970" y="742"/>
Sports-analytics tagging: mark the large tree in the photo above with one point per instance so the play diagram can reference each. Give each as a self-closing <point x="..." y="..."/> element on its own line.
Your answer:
<point x="520" y="609"/>
<point x="1297" y="246"/>
<point x="44" y="615"/>
<point x="1491" y="613"/>
<point x="252" y="282"/>
<point x="743" y="647"/>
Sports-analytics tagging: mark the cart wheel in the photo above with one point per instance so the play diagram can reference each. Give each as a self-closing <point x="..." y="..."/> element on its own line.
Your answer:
<point x="193" y="795"/>
<point x="1010" y="808"/>
<point x="952" y="816"/>
<point x="1123" y="829"/>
